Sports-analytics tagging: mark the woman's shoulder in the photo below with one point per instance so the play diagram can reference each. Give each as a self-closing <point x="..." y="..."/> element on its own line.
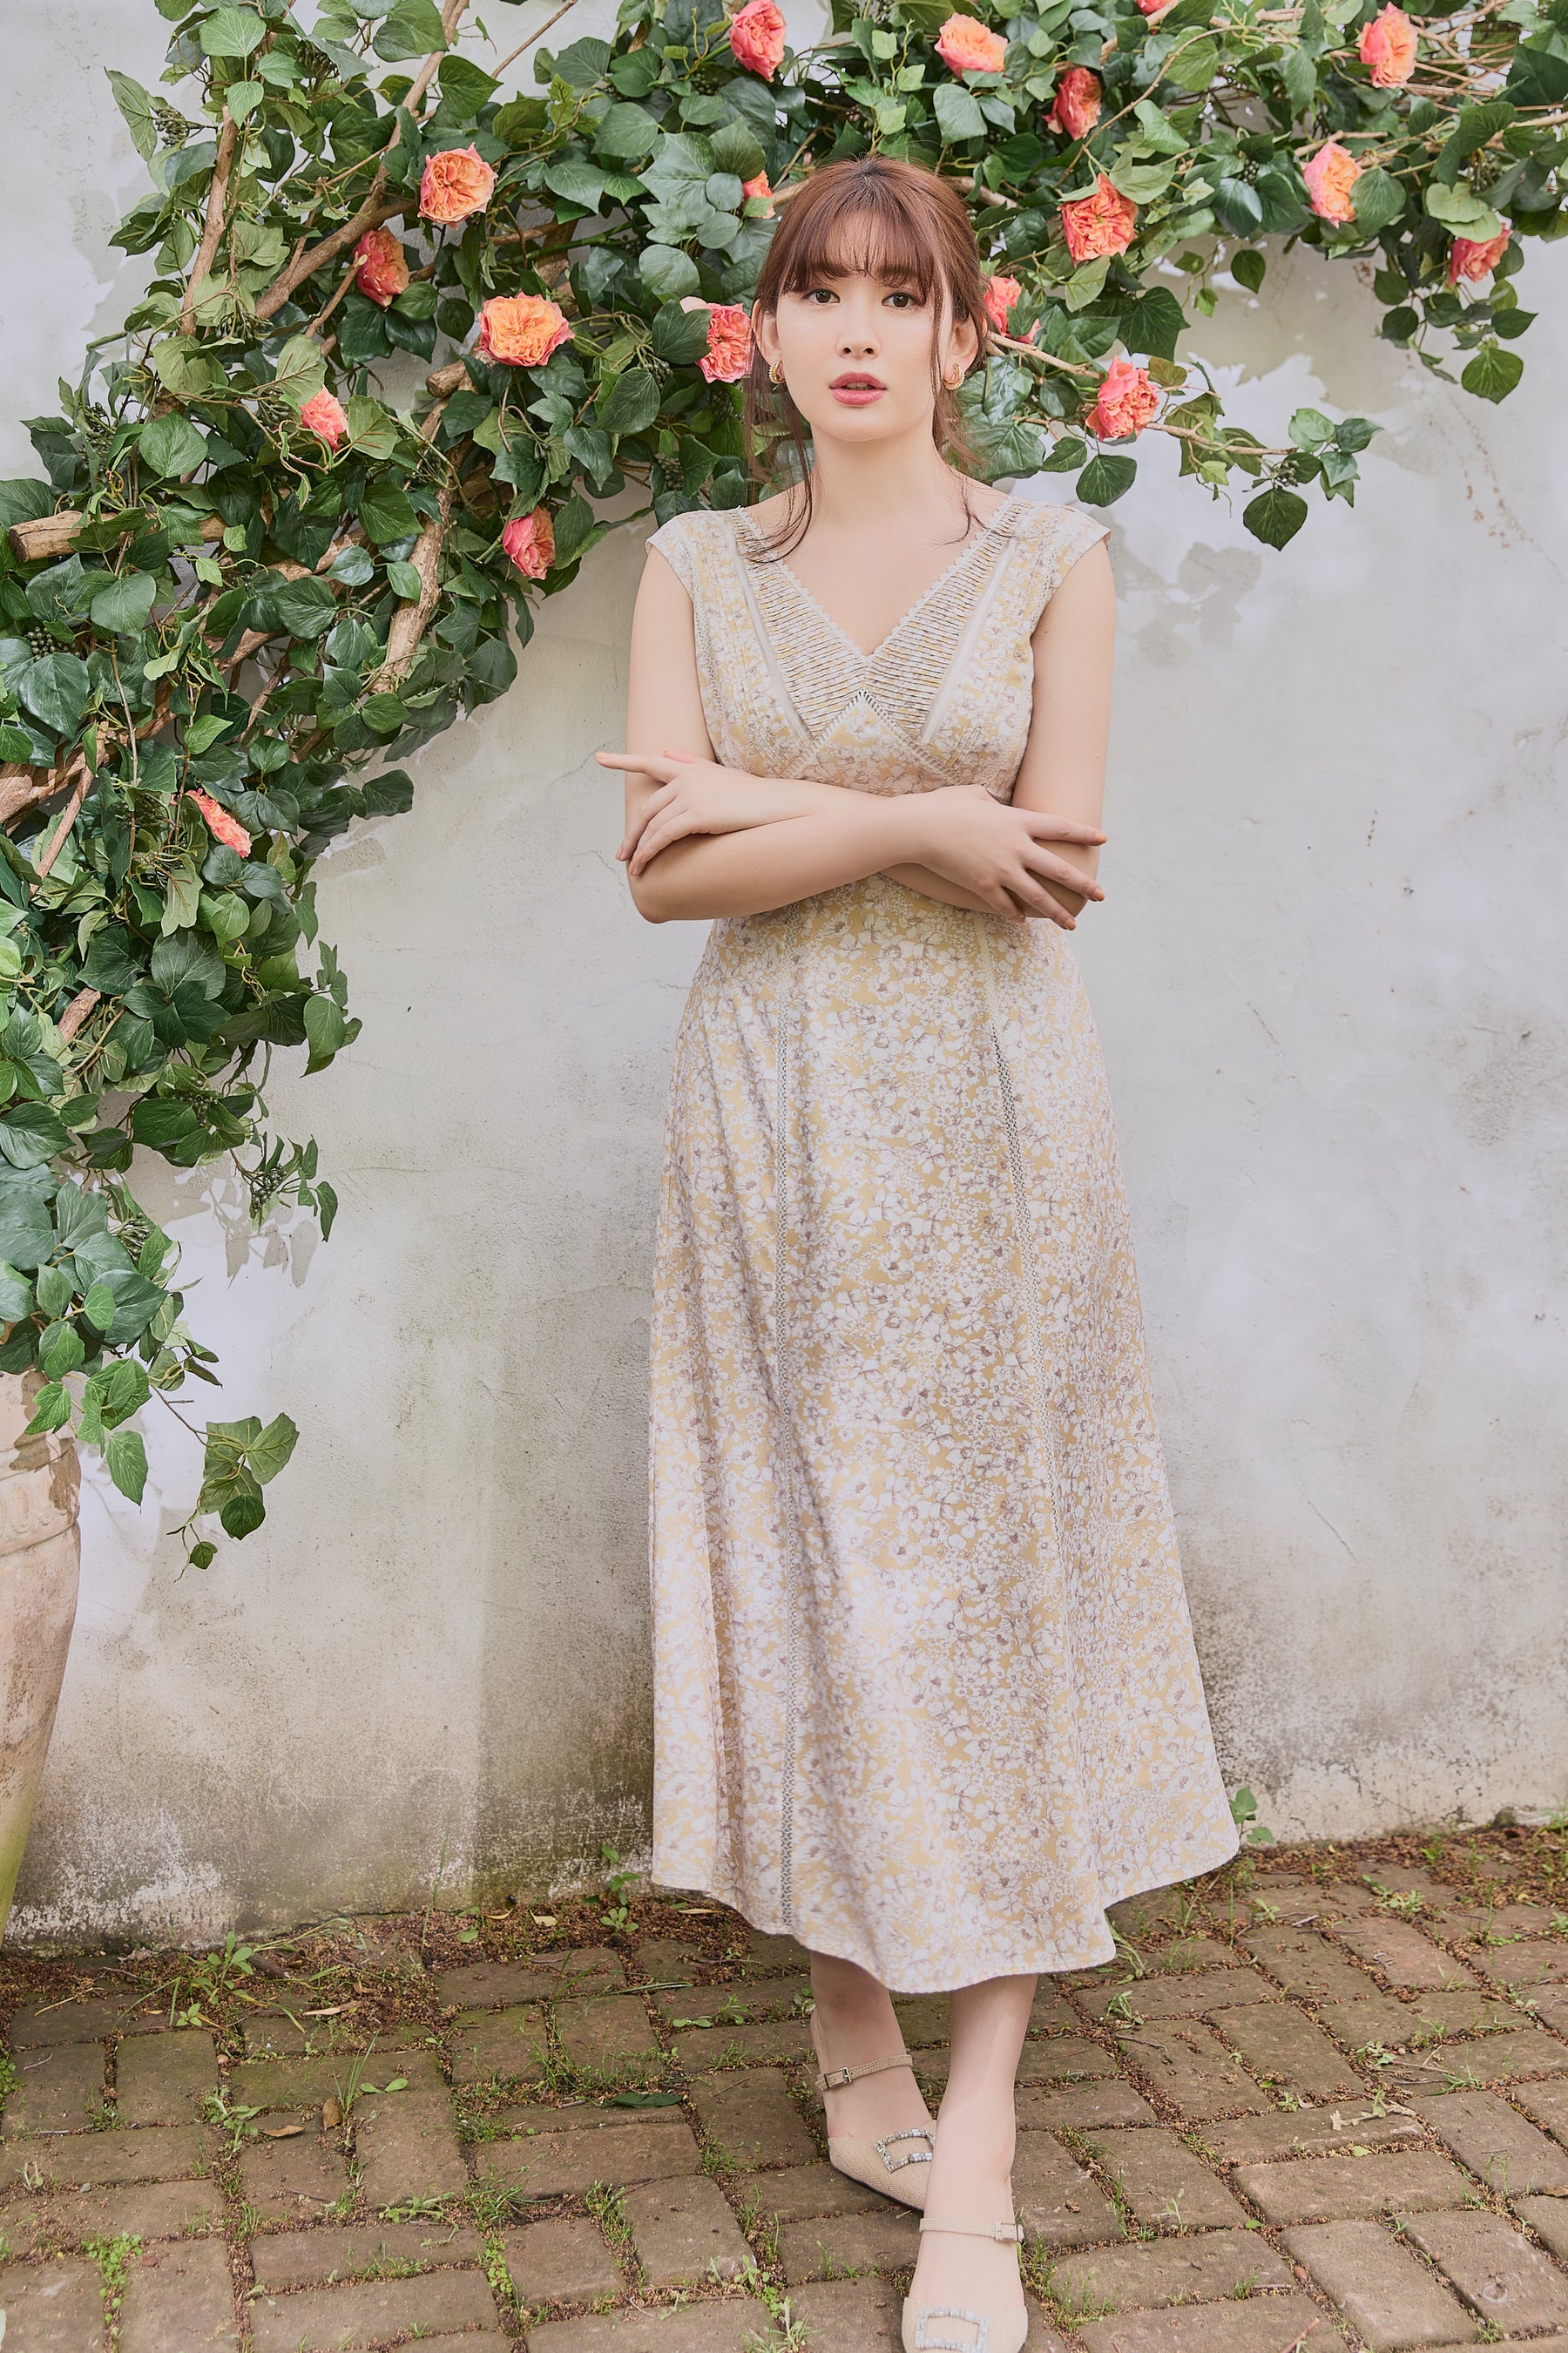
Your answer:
<point x="1056" y="526"/>
<point x="687" y="540"/>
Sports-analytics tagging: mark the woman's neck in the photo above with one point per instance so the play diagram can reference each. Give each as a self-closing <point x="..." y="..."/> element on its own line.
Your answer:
<point x="854" y="489"/>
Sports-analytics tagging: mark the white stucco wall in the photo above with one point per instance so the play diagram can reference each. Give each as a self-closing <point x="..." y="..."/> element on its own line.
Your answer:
<point x="1331" y="986"/>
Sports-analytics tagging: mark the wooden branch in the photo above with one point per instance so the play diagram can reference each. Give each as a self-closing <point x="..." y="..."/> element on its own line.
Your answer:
<point x="77" y="1011"/>
<point x="55" y="534"/>
<point x="376" y="209"/>
<point x="56" y="842"/>
<point x="537" y="34"/>
<point x="443" y="382"/>
<point x="217" y="203"/>
<point x="451" y="17"/>
<point x="410" y="621"/>
<point x="21" y="786"/>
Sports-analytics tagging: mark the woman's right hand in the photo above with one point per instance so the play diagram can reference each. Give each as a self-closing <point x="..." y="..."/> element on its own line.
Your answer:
<point x="1001" y="853"/>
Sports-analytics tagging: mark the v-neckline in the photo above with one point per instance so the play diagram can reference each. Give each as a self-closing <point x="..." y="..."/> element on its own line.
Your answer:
<point x="905" y="618"/>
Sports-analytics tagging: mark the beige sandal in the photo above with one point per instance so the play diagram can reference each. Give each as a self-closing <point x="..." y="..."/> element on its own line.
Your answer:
<point x="993" y="2332"/>
<point x="868" y="2161"/>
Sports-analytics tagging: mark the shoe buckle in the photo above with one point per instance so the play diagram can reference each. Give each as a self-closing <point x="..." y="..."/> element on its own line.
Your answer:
<point x="835" y="2078"/>
<point x="897" y="2164"/>
<point x="976" y="2320"/>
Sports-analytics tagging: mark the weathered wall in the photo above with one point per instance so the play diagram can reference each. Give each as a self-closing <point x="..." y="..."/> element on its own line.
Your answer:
<point x="1332" y="999"/>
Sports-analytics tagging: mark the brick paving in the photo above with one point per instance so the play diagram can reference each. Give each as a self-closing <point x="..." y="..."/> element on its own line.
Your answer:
<point x="1320" y="2099"/>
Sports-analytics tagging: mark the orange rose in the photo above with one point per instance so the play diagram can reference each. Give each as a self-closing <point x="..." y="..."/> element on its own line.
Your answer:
<point x="528" y="541"/>
<point x="757" y="38"/>
<point x="1102" y="223"/>
<point x="1127" y="399"/>
<point x="221" y="826"/>
<point x="1330" y="175"/>
<point x="759" y="189"/>
<point x="729" y="355"/>
<point x="1076" y="107"/>
<point x="1471" y="257"/>
<point x="1388" y="46"/>
<point x="1153" y="7"/>
<point x="381" y="267"/>
<point x="1001" y="293"/>
<point x="965" y="45"/>
<point x="456" y="182"/>
<point x="521" y="330"/>
<point x="325" y="416"/>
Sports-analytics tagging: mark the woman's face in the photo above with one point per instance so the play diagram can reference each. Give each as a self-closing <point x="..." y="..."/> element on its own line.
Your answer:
<point x="856" y="352"/>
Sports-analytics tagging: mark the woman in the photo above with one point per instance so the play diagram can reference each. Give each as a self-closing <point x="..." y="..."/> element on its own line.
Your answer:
<point x="925" y="1689"/>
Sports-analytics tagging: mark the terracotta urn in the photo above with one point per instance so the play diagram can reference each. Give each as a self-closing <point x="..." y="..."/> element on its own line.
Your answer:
<point x="41" y="1551"/>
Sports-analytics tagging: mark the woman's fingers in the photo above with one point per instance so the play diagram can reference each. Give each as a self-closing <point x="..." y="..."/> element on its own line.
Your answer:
<point x="1040" y="860"/>
<point x="1046" y="827"/>
<point x="656" y="765"/>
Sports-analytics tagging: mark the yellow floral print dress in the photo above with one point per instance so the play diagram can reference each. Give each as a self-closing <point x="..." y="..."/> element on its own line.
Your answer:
<point x="925" y="1690"/>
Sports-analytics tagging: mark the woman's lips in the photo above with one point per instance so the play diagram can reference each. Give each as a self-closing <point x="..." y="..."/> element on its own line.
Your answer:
<point x="856" y="392"/>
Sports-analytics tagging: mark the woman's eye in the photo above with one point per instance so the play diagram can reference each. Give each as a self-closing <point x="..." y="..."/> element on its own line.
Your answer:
<point x="821" y="294"/>
<point x="905" y="301"/>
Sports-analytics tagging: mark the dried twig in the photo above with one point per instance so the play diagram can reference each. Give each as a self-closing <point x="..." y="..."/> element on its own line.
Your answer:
<point x="410" y="621"/>
<point x="56" y="840"/>
<point x="77" y="1011"/>
<point x="512" y="54"/>
<point x="217" y="202"/>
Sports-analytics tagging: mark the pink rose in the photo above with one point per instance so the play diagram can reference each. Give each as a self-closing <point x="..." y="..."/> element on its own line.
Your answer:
<point x="521" y="330"/>
<point x="381" y="267"/>
<point x="1330" y="175"/>
<point x="757" y="38"/>
<point x="454" y="183"/>
<point x="1154" y="7"/>
<point x="729" y="355"/>
<point x="1076" y="107"/>
<point x="325" y="416"/>
<point x="1127" y="399"/>
<point x="1388" y="45"/>
<point x="1001" y="293"/>
<point x="1473" y="257"/>
<point x="221" y="826"/>
<point x="759" y="190"/>
<point x="964" y="44"/>
<point x="528" y="541"/>
<point x="1102" y="223"/>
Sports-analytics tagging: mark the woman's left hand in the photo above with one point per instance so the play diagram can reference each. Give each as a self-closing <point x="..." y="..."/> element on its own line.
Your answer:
<point x="693" y="795"/>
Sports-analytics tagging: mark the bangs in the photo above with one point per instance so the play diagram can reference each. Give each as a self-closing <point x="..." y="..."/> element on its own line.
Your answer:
<point x="867" y="229"/>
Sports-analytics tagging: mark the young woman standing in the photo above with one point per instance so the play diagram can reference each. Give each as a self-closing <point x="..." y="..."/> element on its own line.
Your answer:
<point x="926" y="1696"/>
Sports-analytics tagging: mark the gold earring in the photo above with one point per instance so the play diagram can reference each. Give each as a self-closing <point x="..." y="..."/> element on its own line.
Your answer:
<point x="775" y="372"/>
<point x="950" y="380"/>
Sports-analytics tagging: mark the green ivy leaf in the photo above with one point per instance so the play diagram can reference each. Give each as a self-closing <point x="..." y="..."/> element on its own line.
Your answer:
<point x="51" y="1409"/>
<point x="126" y="1458"/>
<point x="137" y="109"/>
<point x="386" y="514"/>
<point x="1378" y="200"/>
<point x="56" y="689"/>
<point x="1492" y="374"/>
<point x="122" y="607"/>
<point x="1105" y="479"/>
<point x="269" y="1453"/>
<point x="631" y="402"/>
<point x="16" y="1295"/>
<point x="171" y="445"/>
<point x="412" y="30"/>
<point x="301" y="372"/>
<point x="98" y="1307"/>
<point x="231" y="33"/>
<point x="666" y="272"/>
<point x="1275" y="516"/>
<point x="957" y="112"/>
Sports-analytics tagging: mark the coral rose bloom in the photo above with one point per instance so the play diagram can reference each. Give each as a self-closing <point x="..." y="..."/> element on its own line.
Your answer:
<point x="455" y="182"/>
<point x="1076" y="107"/>
<point x="1127" y="399"/>
<point x="1473" y="257"/>
<point x="1388" y="46"/>
<point x="1102" y="223"/>
<point x="1330" y="175"/>
<point x="381" y="267"/>
<point x="729" y="355"/>
<point x="965" y="44"/>
<point x="528" y="541"/>
<point x="759" y="188"/>
<point x="221" y="826"/>
<point x="521" y="330"/>
<point x="1001" y="293"/>
<point x="325" y="416"/>
<point x="757" y="38"/>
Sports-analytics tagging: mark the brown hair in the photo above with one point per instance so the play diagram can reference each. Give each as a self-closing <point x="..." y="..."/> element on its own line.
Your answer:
<point x="876" y="215"/>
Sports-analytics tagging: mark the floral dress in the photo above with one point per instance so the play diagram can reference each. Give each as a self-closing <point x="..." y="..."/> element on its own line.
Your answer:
<point x="925" y="1690"/>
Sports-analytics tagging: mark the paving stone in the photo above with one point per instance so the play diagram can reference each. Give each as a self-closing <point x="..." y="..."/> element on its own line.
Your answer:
<point x="1550" y="2004"/>
<point x="1547" y="2217"/>
<point x="1499" y="2274"/>
<point x="1547" y="2104"/>
<point x="1287" y="2048"/>
<point x="683" y="2007"/>
<point x="158" y="2210"/>
<point x="506" y="2043"/>
<point x="1374" y="2018"/>
<point x="1163" y="2182"/>
<point x="162" y="2078"/>
<point x="1178" y="1997"/>
<point x="579" y="2116"/>
<point x="1191" y="1954"/>
<point x="39" y="2023"/>
<point x="269" y="2084"/>
<point x="285" y="2259"/>
<point x="888" y="2240"/>
<point x="1082" y="2107"/>
<point x="751" y="2115"/>
<point x="1137" y="1917"/>
<point x="804" y="2191"/>
<point x="1258" y="2323"/>
<point x="1055" y="2200"/>
<point x="56" y="2308"/>
<point x="1495" y="2141"/>
<point x="285" y="2035"/>
<point x="58" y="2089"/>
<point x="1406" y="1879"/>
<point x="747" y="2046"/>
<point x="1049" y="2012"/>
<point x="1063" y="2058"/>
<point x="925" y="2020"/>
<point x="562" y="2261"/>
<point x="849" y="2315"/>
<point x="684" y="2233"/>
<point x="1499" y="2058"/>
<point x="1390" y="2299"/>
<point x="1307" y="1964"/>
<point x="1168" y="2270"/>
<point x="1341" y="1898"/>
<point x="1405" y="1957"/>
<point x="543" y="2167"/>
<point x="770" y="1954"/>
<point x="667" y="1959"/>
<point x="1188" y="2062"/>
<point x="489" y="2340"/>
<point x="104" y="2160"/>
<point x="496" y="1985"/>
<point x="1044" y="2337"/>
<point x="723" y="2327"/>
<point x="1545" y="1962"/>
<point x="1308" y="2132"/>
<point x="1352" y="2188"/>
<point x="294" y="2180"/>
<point x="334" y="2319"/>
<point x="1460" y="2011"/>
<point x="180" y="2293"/>
<point x="406" y="2146"/>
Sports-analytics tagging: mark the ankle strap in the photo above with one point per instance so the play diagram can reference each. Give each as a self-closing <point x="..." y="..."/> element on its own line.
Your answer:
<point x="835" y="2078"/>
<point x="1009" y="2233"/>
